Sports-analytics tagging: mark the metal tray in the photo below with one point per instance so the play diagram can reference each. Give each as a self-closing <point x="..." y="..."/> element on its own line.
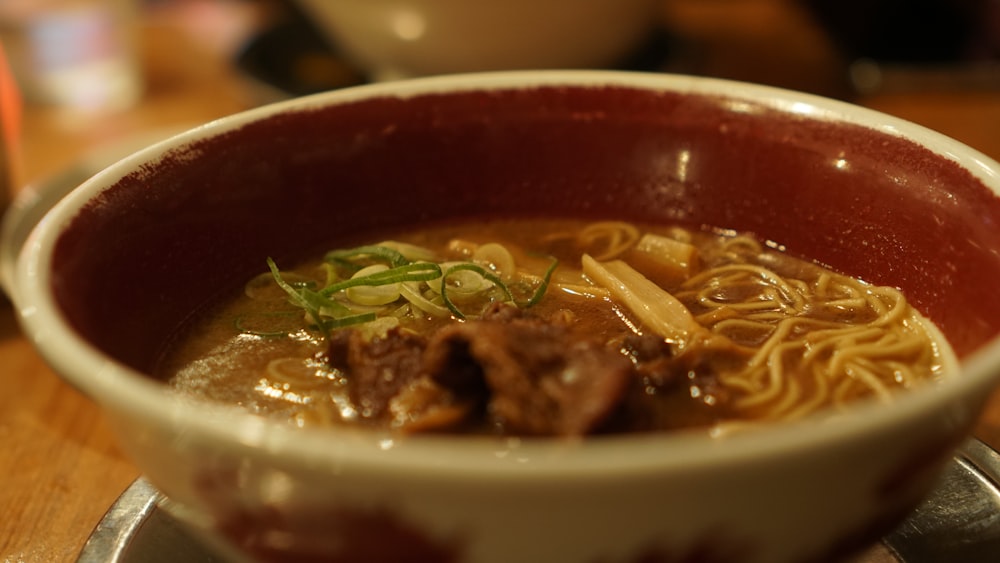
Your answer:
<point x="958" y="522"/>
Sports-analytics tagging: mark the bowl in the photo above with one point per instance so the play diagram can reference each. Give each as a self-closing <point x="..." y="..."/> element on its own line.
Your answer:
<point x="396" y="39"/>
<point x="126" y="257"/>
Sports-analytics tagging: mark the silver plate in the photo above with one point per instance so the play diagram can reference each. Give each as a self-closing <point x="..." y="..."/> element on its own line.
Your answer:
<point x="958" y="522"/>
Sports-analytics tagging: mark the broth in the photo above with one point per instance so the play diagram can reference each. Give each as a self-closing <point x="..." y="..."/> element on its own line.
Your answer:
<point x="554" y="327"/>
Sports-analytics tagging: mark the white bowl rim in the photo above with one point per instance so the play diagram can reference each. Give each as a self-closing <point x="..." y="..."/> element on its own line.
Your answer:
<point x="119" y="388"/>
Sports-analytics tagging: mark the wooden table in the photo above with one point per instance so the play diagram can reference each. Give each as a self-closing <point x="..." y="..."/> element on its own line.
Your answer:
<point x="59" y="467"/>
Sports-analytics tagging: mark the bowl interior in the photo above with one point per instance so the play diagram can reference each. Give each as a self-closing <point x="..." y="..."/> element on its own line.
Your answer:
<point x="202" y="218"/>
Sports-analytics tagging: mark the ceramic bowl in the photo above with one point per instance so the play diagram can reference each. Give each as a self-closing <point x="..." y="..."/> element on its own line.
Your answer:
<point x="406" y="38"/>
<point x="126" y="257"/>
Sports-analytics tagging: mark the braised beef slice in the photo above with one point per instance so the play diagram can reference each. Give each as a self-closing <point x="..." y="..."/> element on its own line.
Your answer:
<point x="510" y="371"/>
<point x="662" y="398"/>
<point x="425" y="406"/>
<point x="654" y="360"/>
<point x="538" y="378"/>
<point x="501" y="312"/>
<point x="337" y="349"/>
<point x="379" y="367"/>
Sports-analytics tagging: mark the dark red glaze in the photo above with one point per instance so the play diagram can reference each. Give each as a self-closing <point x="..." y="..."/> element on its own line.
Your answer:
<point x="164" y="240"/>
<point x="336" y="537"/>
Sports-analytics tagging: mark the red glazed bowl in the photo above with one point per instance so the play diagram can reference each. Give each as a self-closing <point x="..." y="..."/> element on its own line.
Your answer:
<point x="126" y="257"/>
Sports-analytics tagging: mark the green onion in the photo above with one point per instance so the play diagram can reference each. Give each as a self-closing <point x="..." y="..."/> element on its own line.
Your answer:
<point x="535" y="298"/>
<point x="315" y="304"/>
<point x="544" y="286"/>
<point x="373" y="295"/>
<point x="417" y="271"/>
<point x="411" y="292"/>
<point x="323" y="304"/>
<point x="328" y="314"/>
<point x="469" y="266"/>
<point x="298" y="296"/>
<point x="383" y="253"/>
<point x="333" y="324"/>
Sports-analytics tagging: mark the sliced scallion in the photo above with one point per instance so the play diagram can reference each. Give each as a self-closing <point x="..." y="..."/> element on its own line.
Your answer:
<point x="469" y="266"/>
<point x="544" y="286"/>
<point x="382" y="275"/>
<point x="333" y="324"/>
<point x="381" y="253"/>
<point x="411" y="292"/>
<point x="416" y="271"/>
<point x="373" y="295"/>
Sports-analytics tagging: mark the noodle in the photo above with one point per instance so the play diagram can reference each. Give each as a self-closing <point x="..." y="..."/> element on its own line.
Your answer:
<point x="720" y="329"/>
<point x="851" y="338"/>
<point x="610" y="238"/>
<point x="821" y="392"/>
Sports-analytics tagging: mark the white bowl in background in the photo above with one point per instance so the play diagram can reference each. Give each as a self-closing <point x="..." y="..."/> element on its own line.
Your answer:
<point x="406" y="38"/>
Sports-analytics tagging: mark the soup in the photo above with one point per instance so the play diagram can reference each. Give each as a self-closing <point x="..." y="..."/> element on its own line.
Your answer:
<point x="554" y="327"/>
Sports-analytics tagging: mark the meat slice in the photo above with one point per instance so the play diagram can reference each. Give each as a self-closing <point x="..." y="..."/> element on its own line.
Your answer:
<point x="379" y="367"/>
<point x="534" y="377"/>
<point x="654" y="360"/>
<point x="424" y="406"/>
<point x="509" y="371"/>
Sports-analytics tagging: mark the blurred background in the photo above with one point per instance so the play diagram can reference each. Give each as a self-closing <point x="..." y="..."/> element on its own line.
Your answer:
<point x="91" y="70"/>
<point x="99" y="60"/>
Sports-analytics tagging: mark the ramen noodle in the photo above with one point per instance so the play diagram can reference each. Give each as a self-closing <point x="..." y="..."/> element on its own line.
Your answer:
<point x="554" y="327"/>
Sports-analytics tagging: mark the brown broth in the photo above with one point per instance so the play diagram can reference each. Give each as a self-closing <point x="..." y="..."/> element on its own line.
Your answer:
<point x="712" y="382"/>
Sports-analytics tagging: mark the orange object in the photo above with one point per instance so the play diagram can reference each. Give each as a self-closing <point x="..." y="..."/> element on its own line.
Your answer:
<point x="10" y="125"/>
